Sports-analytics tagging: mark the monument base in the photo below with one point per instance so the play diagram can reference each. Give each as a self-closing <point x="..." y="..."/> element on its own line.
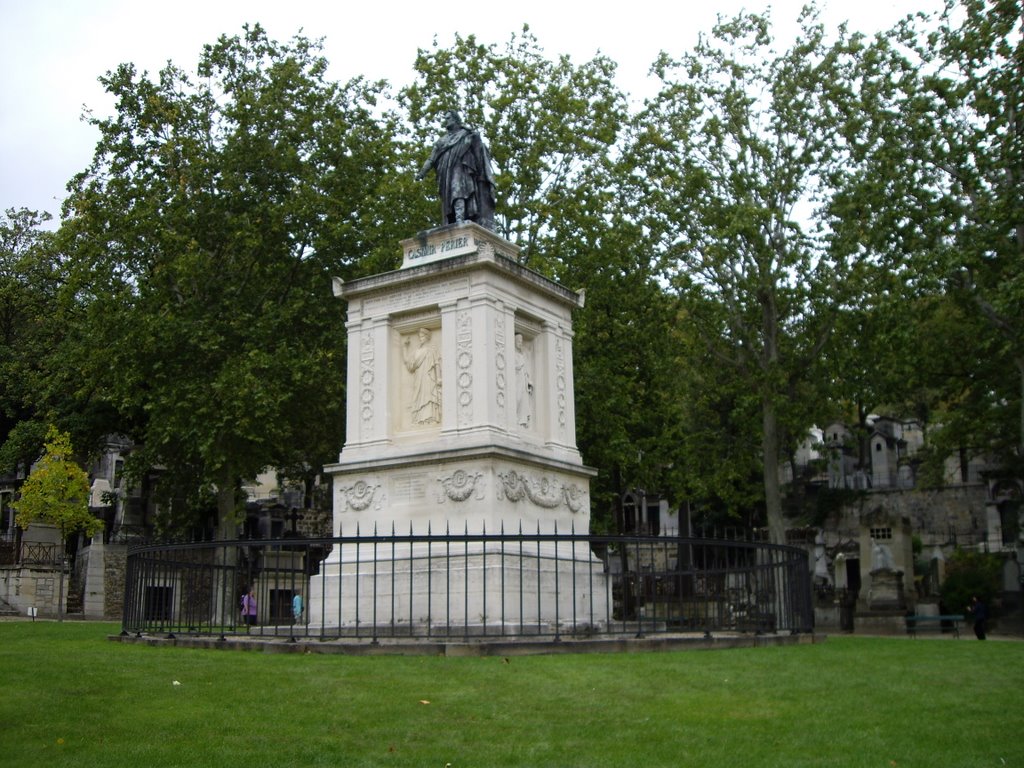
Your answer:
<point x="475" y="491"/>
<point x="886" y="591"/>
<point x="455" y="588"/>
<point x="880" y="623"/>
<point x="460" y="428"/>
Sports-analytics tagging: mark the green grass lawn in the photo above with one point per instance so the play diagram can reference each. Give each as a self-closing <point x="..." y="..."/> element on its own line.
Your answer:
<point x="68" y="696"/>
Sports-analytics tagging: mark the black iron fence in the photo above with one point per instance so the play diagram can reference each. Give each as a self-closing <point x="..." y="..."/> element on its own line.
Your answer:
<point x="463" y="586"/>
<point x="33" y="553"/>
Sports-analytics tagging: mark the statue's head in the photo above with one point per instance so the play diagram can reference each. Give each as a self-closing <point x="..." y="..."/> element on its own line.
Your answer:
<point x="452" y="119"/>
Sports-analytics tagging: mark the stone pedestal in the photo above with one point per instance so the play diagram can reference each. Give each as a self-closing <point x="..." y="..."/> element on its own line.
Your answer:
<point x="886" y="549"/>
<point x="886" y="591"/>
<point x="478" y="592"/>
<point x="460" y="411"/>
<point x="883" y="610"/>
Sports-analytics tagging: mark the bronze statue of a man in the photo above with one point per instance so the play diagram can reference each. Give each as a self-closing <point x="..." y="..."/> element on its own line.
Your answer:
<point x="465" y="180"/>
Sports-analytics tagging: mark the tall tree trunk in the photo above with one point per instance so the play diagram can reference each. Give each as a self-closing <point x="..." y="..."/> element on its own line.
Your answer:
<point x="772" y="488"/>
<point x="1020" y="435"/>
<point x="227" y="529"/>
<point x="227" y="523"/>
<point x="769" y="417"/>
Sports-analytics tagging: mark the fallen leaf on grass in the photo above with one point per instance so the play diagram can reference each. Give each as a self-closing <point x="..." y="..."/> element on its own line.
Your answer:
<point x="424" y="701"/>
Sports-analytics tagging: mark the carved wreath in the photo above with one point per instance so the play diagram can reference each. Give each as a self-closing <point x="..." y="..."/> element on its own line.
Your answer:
<point x="574" y="497"/>
<point x="460" y="485"/>
<point x="360" y="495"/>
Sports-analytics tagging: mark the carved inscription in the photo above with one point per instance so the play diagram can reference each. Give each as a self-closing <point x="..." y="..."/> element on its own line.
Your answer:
<point x="408" y="488"/>
<point x="431" y="293"/>
<point x="453" y="246"/>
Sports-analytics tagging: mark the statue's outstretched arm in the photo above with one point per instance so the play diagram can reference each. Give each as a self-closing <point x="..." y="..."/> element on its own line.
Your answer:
<point x="428" y="164"/>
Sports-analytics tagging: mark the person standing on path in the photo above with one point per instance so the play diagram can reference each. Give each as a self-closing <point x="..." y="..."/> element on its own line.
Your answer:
<point x="249" y="609"/>
<point x="980" y="612"/>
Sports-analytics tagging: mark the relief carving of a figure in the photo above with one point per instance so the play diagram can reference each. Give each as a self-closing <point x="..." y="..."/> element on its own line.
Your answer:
<point x="524" y="385"/>
<point x="424" y="363"/>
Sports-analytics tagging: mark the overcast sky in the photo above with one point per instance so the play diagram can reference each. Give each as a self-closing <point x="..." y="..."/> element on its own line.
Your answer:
<point x="53" y="51"/>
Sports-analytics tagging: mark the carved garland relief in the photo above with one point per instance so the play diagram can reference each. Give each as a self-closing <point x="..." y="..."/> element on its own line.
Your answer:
<point x="543" y="491"/>
<point x="460" y="485"/>
<point x="359" y="496"/>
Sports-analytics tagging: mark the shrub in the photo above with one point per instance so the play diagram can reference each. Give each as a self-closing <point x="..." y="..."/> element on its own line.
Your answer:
<point x="970" y="574"/>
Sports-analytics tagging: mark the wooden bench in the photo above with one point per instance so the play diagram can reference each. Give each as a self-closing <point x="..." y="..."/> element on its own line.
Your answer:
<point x="954" y="619"/>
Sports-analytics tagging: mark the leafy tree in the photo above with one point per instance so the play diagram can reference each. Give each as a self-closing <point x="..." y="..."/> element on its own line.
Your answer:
<point x="547" y="122"/>
<point x="203" y="238"/>
<point x="627" y="353"/>
<point x="979" y="149"/>
<point x="553" y="127"/>
<point x="905" y="356"/>
<point x="937" y="189"/>
<point x="56" y="492"/>
<point x="25" y="300"/>
<point x="714" y="445"/>
<point x="970" y="574"/>
<point x="737" y="154"/>
<point x="35" y="388"/>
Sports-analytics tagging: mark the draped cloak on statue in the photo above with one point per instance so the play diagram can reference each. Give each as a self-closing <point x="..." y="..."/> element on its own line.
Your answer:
<point x="462" y="163"/>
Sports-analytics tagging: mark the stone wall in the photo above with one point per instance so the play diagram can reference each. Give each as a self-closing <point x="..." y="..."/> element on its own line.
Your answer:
<point x="24" y="587"/>
<point x="115" y="565"/>
<point x="945" y="517"/>
<point x="315" y="523"/>
<point x="100" y="569"/>
<point x="936" y="516"/>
